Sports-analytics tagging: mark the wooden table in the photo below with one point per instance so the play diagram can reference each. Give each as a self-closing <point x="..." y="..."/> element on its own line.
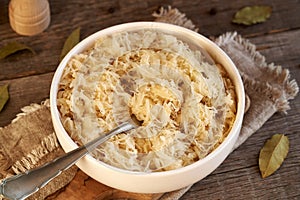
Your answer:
<point x="29" y="77"/>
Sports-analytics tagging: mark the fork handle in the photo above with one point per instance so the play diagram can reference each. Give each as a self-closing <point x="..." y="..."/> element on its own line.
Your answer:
<point x="23" y="185"/>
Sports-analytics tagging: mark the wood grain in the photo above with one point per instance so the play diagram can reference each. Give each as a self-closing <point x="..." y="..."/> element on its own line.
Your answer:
<point x="278" y="39"/>
<point x="91" y="189"/>
<point x="24" y="91"/>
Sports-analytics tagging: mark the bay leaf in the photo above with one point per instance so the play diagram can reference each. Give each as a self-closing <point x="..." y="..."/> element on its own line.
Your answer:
<point x="4" y="96"/>
<point x="13" y="47"/>
<point x="70" y="42"/>
<point x="273" y="154"/>
<point x="252" y="15"/>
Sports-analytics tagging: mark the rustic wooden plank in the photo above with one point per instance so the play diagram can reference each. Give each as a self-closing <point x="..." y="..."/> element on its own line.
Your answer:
<point x="23" y="92"/>
<point x="92" y="16"/>
<point x="285" y="16"/>
<point x="280" y="49"/>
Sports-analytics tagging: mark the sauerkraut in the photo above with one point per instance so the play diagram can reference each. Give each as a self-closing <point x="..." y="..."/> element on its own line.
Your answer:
<point x="186" y="104"/>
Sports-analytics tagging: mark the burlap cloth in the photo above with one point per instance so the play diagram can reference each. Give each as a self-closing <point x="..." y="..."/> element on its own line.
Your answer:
<point x="29" y="140"/>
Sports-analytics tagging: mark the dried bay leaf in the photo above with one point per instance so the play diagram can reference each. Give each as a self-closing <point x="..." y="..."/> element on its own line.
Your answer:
<point x="273" y="154"/>
<point x="252" y="15"/>
<point x="13" y="47"/>
<point x="4" y="96"/>
<point x="70" y="42"/>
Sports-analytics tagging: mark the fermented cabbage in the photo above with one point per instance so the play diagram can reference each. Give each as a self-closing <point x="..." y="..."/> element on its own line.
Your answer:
<point x="186" y="104"/>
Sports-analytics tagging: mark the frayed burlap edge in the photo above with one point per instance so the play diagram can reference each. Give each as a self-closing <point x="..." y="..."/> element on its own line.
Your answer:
<point x="47" y="150"/>
<point x="30" y="109"/>
<point x="174" y="16"/>
<point x="268" y="85"/>
<point x="276" y="85"/>
<point x="48" y="145"/>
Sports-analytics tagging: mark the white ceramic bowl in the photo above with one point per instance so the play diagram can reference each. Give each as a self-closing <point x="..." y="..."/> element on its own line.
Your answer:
<point x="155" y="182"/>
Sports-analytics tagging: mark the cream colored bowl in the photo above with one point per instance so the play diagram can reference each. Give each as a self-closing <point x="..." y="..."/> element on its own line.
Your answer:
<point x="155" y="182"/>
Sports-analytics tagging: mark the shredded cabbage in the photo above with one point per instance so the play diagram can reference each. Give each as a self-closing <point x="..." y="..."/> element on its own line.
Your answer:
<point x="186" y="105"/>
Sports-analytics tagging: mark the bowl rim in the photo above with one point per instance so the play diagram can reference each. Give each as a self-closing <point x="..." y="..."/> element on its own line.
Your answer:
<point x="168" y="28"/>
